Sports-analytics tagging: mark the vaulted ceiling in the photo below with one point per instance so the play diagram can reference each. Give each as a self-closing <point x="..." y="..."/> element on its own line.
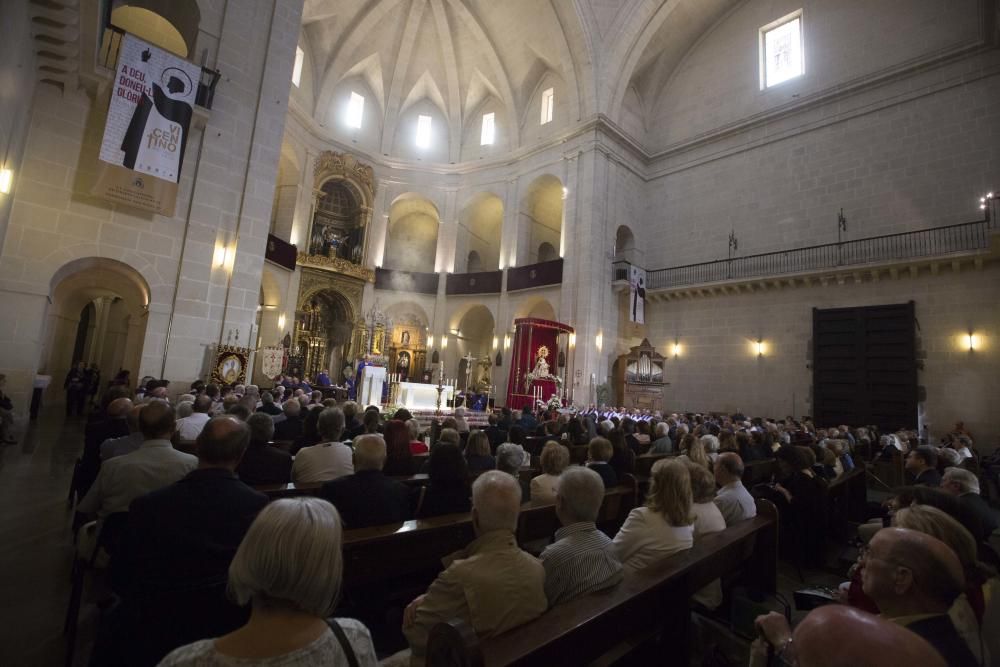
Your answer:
<point x="462" y="55"/>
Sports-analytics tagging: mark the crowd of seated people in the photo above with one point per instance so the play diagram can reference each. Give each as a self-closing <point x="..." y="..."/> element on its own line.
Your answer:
<point x="190" y="530"/>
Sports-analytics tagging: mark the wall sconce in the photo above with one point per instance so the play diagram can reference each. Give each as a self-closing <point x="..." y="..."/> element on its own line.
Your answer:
<point x="230" y="258"/>
<point x="495" y="342"/>
<point x="506" y="341"/>
<point x="971" y="342"/>
<point x="281" y="322"/>
<point x="675" y="350"/>
<point x="219" y="257"/>
<point x="599" y="341"/>
<point x="759" y="347"/>
<point x="6" y="180"/>
<point x="430" y="341"/>
<point x="444" y="342"/>
<point x="572" y="340"/>
<point x="565" y="192"/>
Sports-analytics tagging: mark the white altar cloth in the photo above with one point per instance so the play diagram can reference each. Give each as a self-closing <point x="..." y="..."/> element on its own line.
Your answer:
<point x="420" y="396"/>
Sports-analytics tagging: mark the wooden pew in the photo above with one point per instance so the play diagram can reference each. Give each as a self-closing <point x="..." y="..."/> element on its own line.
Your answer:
<point x="758" y="472"/>
<point x="846" y="503"/>
<point x="644" y="463"/>
<point x="646" y="604"/>
<point x="417" y="546"/>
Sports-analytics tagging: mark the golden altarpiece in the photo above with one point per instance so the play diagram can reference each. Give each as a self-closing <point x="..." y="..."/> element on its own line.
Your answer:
<point x="330" y="330"/>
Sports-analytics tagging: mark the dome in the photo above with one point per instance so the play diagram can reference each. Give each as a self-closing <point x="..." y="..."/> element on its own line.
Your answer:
<point x="450" y="60"/>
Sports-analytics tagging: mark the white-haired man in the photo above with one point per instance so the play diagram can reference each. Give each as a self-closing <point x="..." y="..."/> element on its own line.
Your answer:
<point x="581" y="559"/>
<point x="964" y="484"/>
<point x="329" y="459"/>
<point x="492" y="584"/>
<point x="662" y="444"/>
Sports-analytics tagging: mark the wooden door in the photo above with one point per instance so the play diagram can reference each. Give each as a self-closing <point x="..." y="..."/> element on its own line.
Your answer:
<point x="864" y="366"/>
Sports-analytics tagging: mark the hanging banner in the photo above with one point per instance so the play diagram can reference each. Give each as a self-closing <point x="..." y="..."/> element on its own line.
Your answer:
<point x="149" y="116"/>
<point x="272" y="361"/>
<point x="637" y="295"/>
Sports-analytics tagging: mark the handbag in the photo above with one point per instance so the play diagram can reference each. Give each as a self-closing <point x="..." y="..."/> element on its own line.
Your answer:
<point x="338" y="632"/>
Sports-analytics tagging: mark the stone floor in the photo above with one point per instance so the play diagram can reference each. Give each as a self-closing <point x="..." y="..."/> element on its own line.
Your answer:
<point x="36" y="545"/>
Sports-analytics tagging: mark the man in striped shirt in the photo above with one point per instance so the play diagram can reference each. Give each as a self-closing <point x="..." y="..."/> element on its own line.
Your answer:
<point x="581" y="560"/>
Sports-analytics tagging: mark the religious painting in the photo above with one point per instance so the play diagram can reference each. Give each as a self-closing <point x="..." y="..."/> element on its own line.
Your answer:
<point x="230" y="365"/>
<point x="337" y="230"/>
<point x="405" y="339"/>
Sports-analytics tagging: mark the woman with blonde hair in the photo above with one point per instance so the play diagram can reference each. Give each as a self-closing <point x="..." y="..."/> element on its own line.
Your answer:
<point x="288" y="569"/>
<point x="695" y="451"/>
<point x="554" y="460"/>
<point x="665" y="525"/>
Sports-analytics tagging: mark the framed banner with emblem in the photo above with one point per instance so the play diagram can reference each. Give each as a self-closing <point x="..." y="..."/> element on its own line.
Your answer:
<point x="230" y="365"/>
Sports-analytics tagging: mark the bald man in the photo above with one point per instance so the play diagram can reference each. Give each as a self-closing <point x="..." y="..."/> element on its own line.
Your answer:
<point x="840" y="636"/>
<point x="367" y="497"/>
<point x="125" y="444"/>
<point x="914" y="578"/>
<point x="176" y="551"/>
<point x="492" y="584"/>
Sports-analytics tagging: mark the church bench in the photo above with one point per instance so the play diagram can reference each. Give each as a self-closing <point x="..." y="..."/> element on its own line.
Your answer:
<point x="644" y="463"/>
<point x="758" y="472"/>
<point x="291" y="489"/>
<point x="846" y="502"/>
<point x="417" y="546"/>
<point x="646" y="604"/>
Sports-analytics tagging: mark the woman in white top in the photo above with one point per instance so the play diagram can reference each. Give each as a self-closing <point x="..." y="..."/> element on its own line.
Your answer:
<point x="664" y="526"/>
<point x="707" y="519"/>
<point x="288" y="568"/>
<point x="554" y="460"/>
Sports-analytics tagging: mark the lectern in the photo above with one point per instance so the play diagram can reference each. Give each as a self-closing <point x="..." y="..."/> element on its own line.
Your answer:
<point x="370" y="389"/>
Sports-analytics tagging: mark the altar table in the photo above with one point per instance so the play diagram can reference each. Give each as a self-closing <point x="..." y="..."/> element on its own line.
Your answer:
<point x="420" y="396"/>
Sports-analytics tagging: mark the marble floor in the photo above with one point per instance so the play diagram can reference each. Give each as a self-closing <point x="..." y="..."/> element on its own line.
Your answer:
<point x="36" y="543"/>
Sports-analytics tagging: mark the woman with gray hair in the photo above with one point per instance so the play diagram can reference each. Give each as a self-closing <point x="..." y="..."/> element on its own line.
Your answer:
<point x="288" y="569"/>
<point x="554" y="460"/>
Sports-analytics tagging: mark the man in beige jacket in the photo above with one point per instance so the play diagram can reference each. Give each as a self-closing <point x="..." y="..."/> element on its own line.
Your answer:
<point x="492" y="584"/>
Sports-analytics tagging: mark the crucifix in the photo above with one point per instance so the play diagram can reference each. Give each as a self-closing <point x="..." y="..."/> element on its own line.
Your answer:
<point x="468" y="369"/>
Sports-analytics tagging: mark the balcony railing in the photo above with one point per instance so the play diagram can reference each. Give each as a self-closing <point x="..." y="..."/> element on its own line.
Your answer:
<point x="281" y="252"/>
<point x="108" y="57"/>
<point x="477" y="282"/>
<point x="535" y="275"/>
<point x="937" y="241"/>
<point x="406" y="281"/>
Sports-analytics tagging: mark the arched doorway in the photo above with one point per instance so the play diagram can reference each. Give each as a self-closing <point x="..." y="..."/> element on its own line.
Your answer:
<point x="324" y="327"/>
<point x="476" y="330"/>
<point x="169" y="24"/>
<point x="98" y="316"/>
<point x="480" y="225"/>
<point x="541" y="212"/>
<point x="624" y="244"/>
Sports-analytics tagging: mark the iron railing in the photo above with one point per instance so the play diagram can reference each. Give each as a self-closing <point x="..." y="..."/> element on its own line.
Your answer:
<point x="107" y="56"/>
<point x="937" y="241"/>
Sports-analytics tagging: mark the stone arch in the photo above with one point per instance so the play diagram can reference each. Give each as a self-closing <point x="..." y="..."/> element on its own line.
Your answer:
<point x="286" y="192"/>
<point x="474" y="262"/>
<point x="624" y="242"/>
<point x="169" y="24"/>
<point x="480" y="226"/>
<point x="115" y="337"/>
<point x="547" y="252"/>
<point x="540" y="217"/>
<point x="412" y="235"/>
<point x="539" y="307"/>
<point x="477" y="329"/>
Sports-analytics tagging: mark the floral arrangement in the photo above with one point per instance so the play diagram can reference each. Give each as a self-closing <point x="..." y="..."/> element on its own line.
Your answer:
<point x="555" y="403"/>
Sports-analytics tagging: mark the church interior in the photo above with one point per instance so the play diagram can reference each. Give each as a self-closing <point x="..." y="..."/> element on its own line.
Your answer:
<point x="282" y="278"/>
